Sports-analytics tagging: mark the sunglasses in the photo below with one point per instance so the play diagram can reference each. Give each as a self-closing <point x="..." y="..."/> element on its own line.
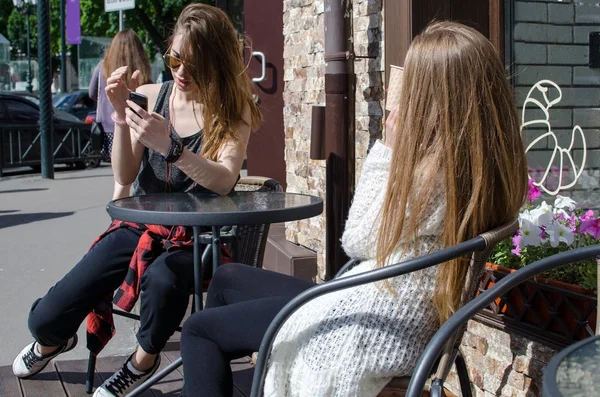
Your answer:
<point x="172" y="61"/>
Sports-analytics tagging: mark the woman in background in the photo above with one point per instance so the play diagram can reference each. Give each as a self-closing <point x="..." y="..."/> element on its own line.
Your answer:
<point x="126" y="48"/>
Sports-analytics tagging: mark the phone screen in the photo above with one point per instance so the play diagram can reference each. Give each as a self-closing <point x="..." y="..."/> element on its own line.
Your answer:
<point x="139" y="99"/>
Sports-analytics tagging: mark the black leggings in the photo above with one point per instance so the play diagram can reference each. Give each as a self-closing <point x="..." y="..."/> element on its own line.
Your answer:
<point x="241" y="303"/>
<point x="164" y="293"/>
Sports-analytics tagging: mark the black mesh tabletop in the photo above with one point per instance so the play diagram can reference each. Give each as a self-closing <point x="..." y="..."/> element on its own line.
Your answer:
<point x="201" y="209"/>
<point x="574" y="371"/>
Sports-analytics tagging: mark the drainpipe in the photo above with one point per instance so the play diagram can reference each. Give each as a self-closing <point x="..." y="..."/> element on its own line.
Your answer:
<point x="339" y="127"/>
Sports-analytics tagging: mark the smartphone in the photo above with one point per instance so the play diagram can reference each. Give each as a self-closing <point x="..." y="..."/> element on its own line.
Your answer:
<point x="139" y="99"/>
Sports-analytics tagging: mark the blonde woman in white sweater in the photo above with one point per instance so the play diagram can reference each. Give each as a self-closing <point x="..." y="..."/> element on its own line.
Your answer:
<point x="452" y="166"/>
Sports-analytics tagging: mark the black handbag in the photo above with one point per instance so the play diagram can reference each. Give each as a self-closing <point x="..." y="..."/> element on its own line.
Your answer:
<point x="97" y="134"/>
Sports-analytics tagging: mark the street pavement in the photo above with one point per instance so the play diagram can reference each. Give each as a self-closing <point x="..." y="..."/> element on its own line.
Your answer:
<point x="46" y="226"/>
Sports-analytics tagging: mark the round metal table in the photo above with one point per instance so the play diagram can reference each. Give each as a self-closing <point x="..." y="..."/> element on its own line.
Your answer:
<point x="574" y="371"/>
<point x="205" y="209"/>
<point x="201" y="209"/>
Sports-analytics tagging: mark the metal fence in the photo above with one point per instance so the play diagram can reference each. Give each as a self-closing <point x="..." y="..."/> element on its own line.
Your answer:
<point x="72" y="145"/>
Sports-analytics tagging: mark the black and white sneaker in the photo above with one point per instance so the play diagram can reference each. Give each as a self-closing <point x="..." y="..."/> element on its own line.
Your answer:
<point x="29" y="362"/>
<point x="125" y="380"/>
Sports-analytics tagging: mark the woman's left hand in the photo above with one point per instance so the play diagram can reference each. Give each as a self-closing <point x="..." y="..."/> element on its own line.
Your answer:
<point x="150" y="129"/>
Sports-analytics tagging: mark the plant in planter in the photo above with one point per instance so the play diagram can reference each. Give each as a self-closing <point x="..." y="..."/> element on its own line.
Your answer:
<point x="559" y="306"/>
<point x="546" y="230"/>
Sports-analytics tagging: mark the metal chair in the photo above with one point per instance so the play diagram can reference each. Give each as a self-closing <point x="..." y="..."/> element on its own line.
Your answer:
<point x="245" y="242"/>
<point x="479" y="248"/>
<point x="459" y="320"/>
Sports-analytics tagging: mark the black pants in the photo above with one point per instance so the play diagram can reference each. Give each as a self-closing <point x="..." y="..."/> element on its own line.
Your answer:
<point x="240" y="304"/>
<point x="165" y="288"/>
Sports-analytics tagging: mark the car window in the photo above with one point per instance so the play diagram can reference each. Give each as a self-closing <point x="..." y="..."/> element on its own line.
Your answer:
<point x="63" y="102"/>
<point x="21" y="111"/>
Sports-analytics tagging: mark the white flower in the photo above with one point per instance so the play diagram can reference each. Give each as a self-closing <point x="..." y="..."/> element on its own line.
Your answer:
<point x="526" y="215"/>
<point x="558" y="232"/>
<point x="565" y="202"/>
<point x="542" y="215"/>
<point x="530" y="233"/>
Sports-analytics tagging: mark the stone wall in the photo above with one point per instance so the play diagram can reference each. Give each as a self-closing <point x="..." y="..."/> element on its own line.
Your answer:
<point x="502" y="363"/>
<point x="304" y="71"/>
<point x="551" y="42"/>
<point x="304" y="86"/>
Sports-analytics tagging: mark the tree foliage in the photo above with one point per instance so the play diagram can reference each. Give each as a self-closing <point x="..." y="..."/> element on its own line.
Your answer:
<point x="152" y="20"/>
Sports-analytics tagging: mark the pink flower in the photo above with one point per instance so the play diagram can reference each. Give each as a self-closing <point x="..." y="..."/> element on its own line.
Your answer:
<point x="590" y="227"/>
<point x="589" y="214"/>
<point x="534" y="191"/>
<point x="516" y="240"/>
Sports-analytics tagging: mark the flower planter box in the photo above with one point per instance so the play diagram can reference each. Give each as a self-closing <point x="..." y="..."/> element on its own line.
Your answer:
<point x="547" y="311"/>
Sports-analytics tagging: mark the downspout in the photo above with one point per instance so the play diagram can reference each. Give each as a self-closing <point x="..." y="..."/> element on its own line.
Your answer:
<point x="339" y="127"/>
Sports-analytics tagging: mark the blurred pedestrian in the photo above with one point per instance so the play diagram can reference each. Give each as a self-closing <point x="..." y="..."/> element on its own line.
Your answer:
<point x="126" y="48"/>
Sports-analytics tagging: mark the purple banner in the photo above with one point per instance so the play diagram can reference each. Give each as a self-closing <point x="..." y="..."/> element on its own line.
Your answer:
<point x="73" y="22"/>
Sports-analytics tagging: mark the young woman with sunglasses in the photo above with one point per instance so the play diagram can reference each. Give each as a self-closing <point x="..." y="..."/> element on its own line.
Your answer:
<point x="192" y="138"/>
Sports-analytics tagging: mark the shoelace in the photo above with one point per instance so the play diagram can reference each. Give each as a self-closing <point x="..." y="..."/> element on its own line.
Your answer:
<point x="121" y="380"/>
<point x="31" y="358"/>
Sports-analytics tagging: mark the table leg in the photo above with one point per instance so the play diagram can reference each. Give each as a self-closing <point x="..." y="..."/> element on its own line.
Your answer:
<point x="216" y="246"/>
<point x="198" y="271"/>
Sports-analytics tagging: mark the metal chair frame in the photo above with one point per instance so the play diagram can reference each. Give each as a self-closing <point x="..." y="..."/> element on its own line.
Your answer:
<point x="463" y="315"/>
<point x="479" y="248"/>
<point x="247" y="243"/>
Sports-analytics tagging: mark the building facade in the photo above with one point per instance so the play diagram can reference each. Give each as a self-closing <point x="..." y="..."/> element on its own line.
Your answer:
<point x="551" y="50"/>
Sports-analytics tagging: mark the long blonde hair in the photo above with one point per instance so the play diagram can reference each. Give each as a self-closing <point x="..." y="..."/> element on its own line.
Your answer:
<point x="458" y="129"/>
<point x="213" y="54"/>
<point x="126" y="48"/>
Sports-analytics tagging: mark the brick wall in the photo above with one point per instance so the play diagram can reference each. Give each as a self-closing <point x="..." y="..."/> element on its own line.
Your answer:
<point x="551" y="42"/>
<point x="304" y="71"/>
<point x="304" y="86"/>
<point x="502" y="363"/>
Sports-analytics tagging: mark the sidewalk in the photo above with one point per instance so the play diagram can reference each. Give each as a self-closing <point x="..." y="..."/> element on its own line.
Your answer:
<point x="45" y="228"/>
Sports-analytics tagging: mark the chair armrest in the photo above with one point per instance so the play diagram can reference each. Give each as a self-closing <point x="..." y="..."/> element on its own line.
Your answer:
<point x="420" y="263"/>
<point x="436" y="344"/>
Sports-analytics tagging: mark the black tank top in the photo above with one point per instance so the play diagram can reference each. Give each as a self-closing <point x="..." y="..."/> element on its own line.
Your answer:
<point x="152" y="177"/>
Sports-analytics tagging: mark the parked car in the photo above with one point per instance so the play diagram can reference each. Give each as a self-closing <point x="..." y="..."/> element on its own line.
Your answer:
<point x="20" y="143"/>
<point x="25" y="94"/>
<point x="77" y="103"/>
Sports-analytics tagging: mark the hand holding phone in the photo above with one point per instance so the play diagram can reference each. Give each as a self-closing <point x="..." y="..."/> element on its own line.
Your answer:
<point x="139" y="99"/>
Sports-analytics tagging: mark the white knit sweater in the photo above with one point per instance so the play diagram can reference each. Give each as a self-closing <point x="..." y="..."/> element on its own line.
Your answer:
<point x="352" y="342"/>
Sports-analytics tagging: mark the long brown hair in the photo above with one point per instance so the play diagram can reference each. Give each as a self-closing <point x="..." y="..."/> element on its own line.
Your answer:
<point x="126" y="48"/>
<point x="213" y="55"/>
<point x="458" y="134"/>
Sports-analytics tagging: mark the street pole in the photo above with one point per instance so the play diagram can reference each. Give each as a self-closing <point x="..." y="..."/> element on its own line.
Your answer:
<point x="120" y="20"/>
<point x="29" y="75"/>
<point x="45" y="95"/>
<point x="63" y="49"/>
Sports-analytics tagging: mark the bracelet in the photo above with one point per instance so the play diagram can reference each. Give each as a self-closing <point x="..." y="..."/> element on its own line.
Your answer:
<point x="175" y="151"/>
<point x="118" y="122"/>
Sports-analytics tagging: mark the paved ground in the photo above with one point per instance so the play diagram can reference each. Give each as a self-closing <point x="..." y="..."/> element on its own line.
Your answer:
<point x="45" y="228"/>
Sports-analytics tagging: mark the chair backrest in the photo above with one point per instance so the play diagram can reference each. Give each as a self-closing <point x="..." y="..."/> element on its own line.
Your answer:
<point x="474" y="275"/>
<point x="459" y="319"/>
<point x="252" y="239"/>
<point x="479" y="248"/>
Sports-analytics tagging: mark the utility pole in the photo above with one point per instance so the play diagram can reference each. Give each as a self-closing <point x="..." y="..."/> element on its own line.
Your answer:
<point x="45" y="96"/>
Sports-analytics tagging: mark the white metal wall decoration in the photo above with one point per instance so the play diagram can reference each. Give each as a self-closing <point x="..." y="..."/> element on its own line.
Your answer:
<point x="540" y="98"/>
